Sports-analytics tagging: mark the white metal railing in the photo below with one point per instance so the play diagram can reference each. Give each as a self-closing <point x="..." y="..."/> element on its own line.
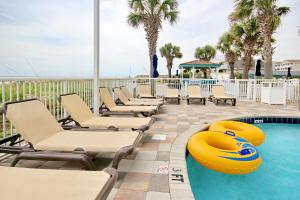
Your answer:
<point x="46" y="90"/>
<point x="49" y="89"/>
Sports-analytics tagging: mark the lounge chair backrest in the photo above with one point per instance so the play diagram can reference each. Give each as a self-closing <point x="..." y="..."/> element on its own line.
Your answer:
<point x="121" y="95"/>
<point x="172" y="92"/>
<point x="127" y="93"/>
<point x="218" y="90"/>
<point x="76" y="107"/>
<point x="145" y="90"/>
<point x="194" y="90"/>
<point x="106" y="98"/>
<point x="32" y="120"/>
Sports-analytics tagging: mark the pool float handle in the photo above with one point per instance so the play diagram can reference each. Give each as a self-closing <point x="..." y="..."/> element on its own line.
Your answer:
<point x="231" y="133"/>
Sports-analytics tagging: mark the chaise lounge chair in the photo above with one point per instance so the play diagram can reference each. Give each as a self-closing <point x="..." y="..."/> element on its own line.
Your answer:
<point x="145" y="91"/>
<point x="83" y="117"/>
<point x="131" y="98"/>
<point x="218" y="94"/>
<point x="48" y="141"/>
<point x="172" y="94"/>
<point x="112" y="108"/>
<point x="194" y="93"/>
<point x="46" y="184"/>
<point x="125" y="101"/>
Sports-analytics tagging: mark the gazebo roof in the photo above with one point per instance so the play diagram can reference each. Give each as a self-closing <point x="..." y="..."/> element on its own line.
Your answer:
<point x="199" y="64"/>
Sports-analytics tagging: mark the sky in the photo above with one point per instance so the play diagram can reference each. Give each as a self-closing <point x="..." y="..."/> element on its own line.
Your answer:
<point x="48" y="38"/>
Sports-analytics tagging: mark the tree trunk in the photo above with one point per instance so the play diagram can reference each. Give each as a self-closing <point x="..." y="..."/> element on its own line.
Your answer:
<point x="170" y="72"/>
<point x="267" y="53"/>
<point x="169" y="66"/>
<point x="231" y="66"/>
<point x="247" y="64"/>
<point x="249" y="46"/>
<point x="151" y="28"/>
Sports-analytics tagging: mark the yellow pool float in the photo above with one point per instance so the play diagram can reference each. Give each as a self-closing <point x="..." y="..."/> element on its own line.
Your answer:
<point x="247" y="131"/>
<point x="224" y="153"/>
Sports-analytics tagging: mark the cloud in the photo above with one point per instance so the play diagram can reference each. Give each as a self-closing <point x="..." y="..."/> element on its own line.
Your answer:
<point x="56" y="37"/>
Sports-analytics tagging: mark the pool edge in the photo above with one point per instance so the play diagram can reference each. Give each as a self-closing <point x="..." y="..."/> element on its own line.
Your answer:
<point x="177" y="166"/>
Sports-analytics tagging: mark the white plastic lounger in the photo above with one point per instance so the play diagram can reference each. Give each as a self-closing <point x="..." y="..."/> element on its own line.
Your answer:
<point x="45" y="184"/>
<point x="113" y="108"/>
<point x="194" y="93"/>
<point x="172" y="94"/>
<point x="48" y="139"/>
<point x="131" y="98"/>
<point x="124" y="100"/>
<point x="218" y="94"/>
<point x="82" y="115"/>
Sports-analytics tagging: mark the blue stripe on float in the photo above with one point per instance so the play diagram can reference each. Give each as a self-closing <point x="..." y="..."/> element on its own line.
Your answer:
<point x="240" y="139"/>
<point x="253" y="157"/>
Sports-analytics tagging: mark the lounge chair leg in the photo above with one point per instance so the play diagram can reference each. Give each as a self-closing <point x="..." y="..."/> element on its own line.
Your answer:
<point x="188" y="101"/>
<point x="204" y="101"/>
<point x="120" y="155"/>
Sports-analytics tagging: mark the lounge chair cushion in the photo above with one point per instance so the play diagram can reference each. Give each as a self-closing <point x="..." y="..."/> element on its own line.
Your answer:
<point x="36" y="184"/>
<point x="218" y="92"/>
<point x="32" y="120"/>
<point x="133" y="108"/>
<point x="117" y="122"/>
<point x="172" y="93"/>
<point x="194" y="91"/>
<point x="106" y="98"/>
<point x="76" y="107"/>
<point x="89" y="141"/>
<point x="122" y="97"/>
<point x="145" y="91"/>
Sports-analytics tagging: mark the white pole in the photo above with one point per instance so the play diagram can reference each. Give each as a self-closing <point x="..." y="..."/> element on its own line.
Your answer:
<point x="96" y="56"/>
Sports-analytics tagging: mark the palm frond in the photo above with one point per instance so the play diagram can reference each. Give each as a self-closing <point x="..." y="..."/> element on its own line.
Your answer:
<point x="172" y="16"/>
<point x="134" y="19"/>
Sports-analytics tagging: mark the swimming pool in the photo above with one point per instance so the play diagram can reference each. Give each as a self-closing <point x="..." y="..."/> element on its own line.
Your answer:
<point x="277" y="178"/>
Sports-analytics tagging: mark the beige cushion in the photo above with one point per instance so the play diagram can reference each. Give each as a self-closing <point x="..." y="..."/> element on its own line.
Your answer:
<point x="218" y="91"/>
<point x="126" y="101"/>
<point x="106" y="98"/>
<point x="133" y="108"/>
<point x="172" y="93"/>
<point x="121" y="96"/>
<point x="127" y="93"/>
<point x="42" y="184"/>
<point x="76" y="107"/>
<point x="142" y="103"/>
<point x="118" y="122"/>
<point x="145" y="90"/>
<point x="194" y="91"/>
<point x="32" y="120"/>
<point x="93" y="142"/>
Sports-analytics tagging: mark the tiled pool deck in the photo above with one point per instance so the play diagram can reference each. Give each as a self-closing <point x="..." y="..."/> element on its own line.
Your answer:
<point x="144" y="174"/>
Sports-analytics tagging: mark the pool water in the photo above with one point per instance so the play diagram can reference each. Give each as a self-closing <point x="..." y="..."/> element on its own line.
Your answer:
<point x="278" y="177"/>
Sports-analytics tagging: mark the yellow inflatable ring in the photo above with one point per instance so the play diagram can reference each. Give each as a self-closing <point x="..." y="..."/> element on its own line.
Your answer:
<point x="247" y="131"/>
<point x="224" y="153"/>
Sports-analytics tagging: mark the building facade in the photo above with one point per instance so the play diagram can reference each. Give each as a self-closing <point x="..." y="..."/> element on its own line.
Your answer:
<point x="294" y="65"/>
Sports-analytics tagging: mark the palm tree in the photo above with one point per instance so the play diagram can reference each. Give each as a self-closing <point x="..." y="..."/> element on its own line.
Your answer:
<point x="227" y="45"/>
<point x="205" y="53"/>
<point x="150" y="14"/>
<point x="170" y="52"/>
<point x="248" y="34"/>
<point x="269" y="17"/>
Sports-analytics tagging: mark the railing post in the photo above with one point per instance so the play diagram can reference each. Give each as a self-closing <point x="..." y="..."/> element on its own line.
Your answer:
<point x="254" y="90"/>
<point x="236" y="88"/>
